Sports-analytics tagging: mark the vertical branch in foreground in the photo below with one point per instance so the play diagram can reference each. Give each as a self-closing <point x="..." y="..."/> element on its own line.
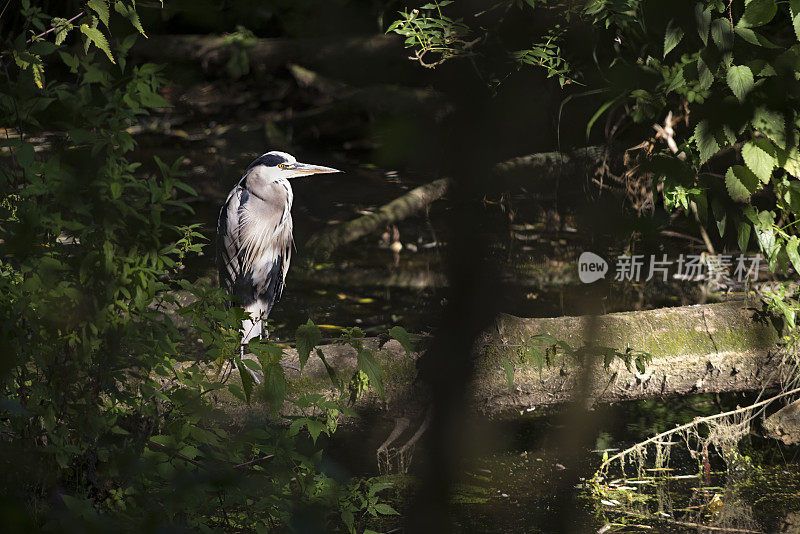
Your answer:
<point x="466" y="152"/>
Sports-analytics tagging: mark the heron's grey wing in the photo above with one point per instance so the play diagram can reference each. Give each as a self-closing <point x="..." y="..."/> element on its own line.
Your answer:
<point x="229" y="243"/>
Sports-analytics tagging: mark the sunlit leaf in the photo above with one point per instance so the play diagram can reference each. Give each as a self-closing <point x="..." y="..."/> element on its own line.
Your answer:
<point x="757" y="13"/>
<point x="741" y="183"/>
<point x="759" y="156"/>
<point x="672" y="37"/>
<point x="740" y="80"/>
<point x="367" y="363"/>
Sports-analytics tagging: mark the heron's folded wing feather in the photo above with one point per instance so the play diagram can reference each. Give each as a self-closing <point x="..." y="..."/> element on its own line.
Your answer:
<point x="229" y="244"/>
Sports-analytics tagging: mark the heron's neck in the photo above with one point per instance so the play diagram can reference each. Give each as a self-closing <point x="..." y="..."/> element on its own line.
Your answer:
<point x="271" y="191"/>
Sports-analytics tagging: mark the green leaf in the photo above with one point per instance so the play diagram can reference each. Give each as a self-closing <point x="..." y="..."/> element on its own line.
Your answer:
<point x="740" y="80"/>
<point x="791" y="251"/>
<point x="308" y="336"/>
<point x="794" y="10"/>
<point x="722" y="34"/>
<point x="706" y="142"/>
<point x="509" y="368"/>
<point x="331" y="371"/>
<point x="672" y="37"/>
<point x="772" y="124"/>
<point x="538" y="356"/>
<point x="790" y="161"/>
<point x="755" y="38"/>
<point x="602" y="109"/>
<point x="367" y="363"/>
<point x="757" y="13"/>
<point x="741" y="183"/>
<point x="702" y="16"/>
<point x="96" y="37"/>
<point x="247" y="380"/>
<point x="101" y="8"/>
<point x="274" y="385"/>
<point x="69" y="60"/>
<point x="315" y="428"/>
<point x="385" y="509"/>
<point x="25" y="155"/>
<point x="759" y="156"/>
<point x="129" y="12"/>
<point x="399" y="333"/>
<point x="743" y="235"/>
<point x="62" y="29"/>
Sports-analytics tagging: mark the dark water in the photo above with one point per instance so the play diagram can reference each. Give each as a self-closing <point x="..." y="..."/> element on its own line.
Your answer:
<point x="507" y="483"/>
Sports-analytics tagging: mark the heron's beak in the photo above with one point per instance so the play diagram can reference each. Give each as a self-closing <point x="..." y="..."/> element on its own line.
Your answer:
<point x="304" y="169"/>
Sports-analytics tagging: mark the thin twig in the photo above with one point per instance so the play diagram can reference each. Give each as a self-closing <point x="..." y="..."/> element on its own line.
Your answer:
<point x="699" y="526"/>
<point x="254" y="461"/>
<point x="692" y="423"/>
<point x="70" y="21"/>
<point x="154" y="444"/>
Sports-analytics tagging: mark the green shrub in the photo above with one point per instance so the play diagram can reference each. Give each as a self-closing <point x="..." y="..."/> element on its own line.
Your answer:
<point x="105" y="413"/>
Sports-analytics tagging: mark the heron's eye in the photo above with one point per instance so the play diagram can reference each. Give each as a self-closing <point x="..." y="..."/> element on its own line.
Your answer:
<point x="281" y="165"/>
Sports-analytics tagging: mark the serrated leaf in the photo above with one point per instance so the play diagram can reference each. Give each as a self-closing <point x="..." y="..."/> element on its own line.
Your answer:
<point x="755" y="38"/>
<point x="96" y="37"/>
<point x="740" y="80"/>
<point x="315" y="428"/>
<point x="741" y="183"/>
<point x="757" y="13"/>
<point x="62" y="29"/>
<point x="538" y="356"/>
<point x="275" y="386"/>
<point x="367" y="363"/>
<point x="247" y="380"/>
<point x="672" y="37"/>
<point x="101" y="8"/>
<point x="385" y="509"/>
<point x="308" y="336"/>
<point x="509" y="369"/>
<point x="399" y="333"/>
<point x="702" y="16"/>
<point x="69" y="60"/>
<point x="790" y="161"/>
<point x="129" y="12"/>
<point x="743" y="229"/>
<point x="791" y="251"/>
<point x="794" y="11"/>
<point x="722" y="34"/>
<point x="331" y="371"/>
<point x="772" y="124"/>
<point x="758" y="159"/>
<point x="706" y="143"/>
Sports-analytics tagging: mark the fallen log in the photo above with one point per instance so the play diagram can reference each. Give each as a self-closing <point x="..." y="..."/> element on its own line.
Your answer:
<point x="695" y="349"/>
<point x="322" y="244"/>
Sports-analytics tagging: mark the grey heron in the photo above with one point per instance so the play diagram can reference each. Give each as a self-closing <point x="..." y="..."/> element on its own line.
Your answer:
<point x="254" y="234"/>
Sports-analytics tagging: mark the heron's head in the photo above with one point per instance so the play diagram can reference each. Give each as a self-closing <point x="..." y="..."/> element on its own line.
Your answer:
<point x="274" y="166"/>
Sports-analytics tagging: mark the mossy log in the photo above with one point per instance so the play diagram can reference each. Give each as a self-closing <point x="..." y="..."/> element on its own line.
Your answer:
<point x="695" y="349"/>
